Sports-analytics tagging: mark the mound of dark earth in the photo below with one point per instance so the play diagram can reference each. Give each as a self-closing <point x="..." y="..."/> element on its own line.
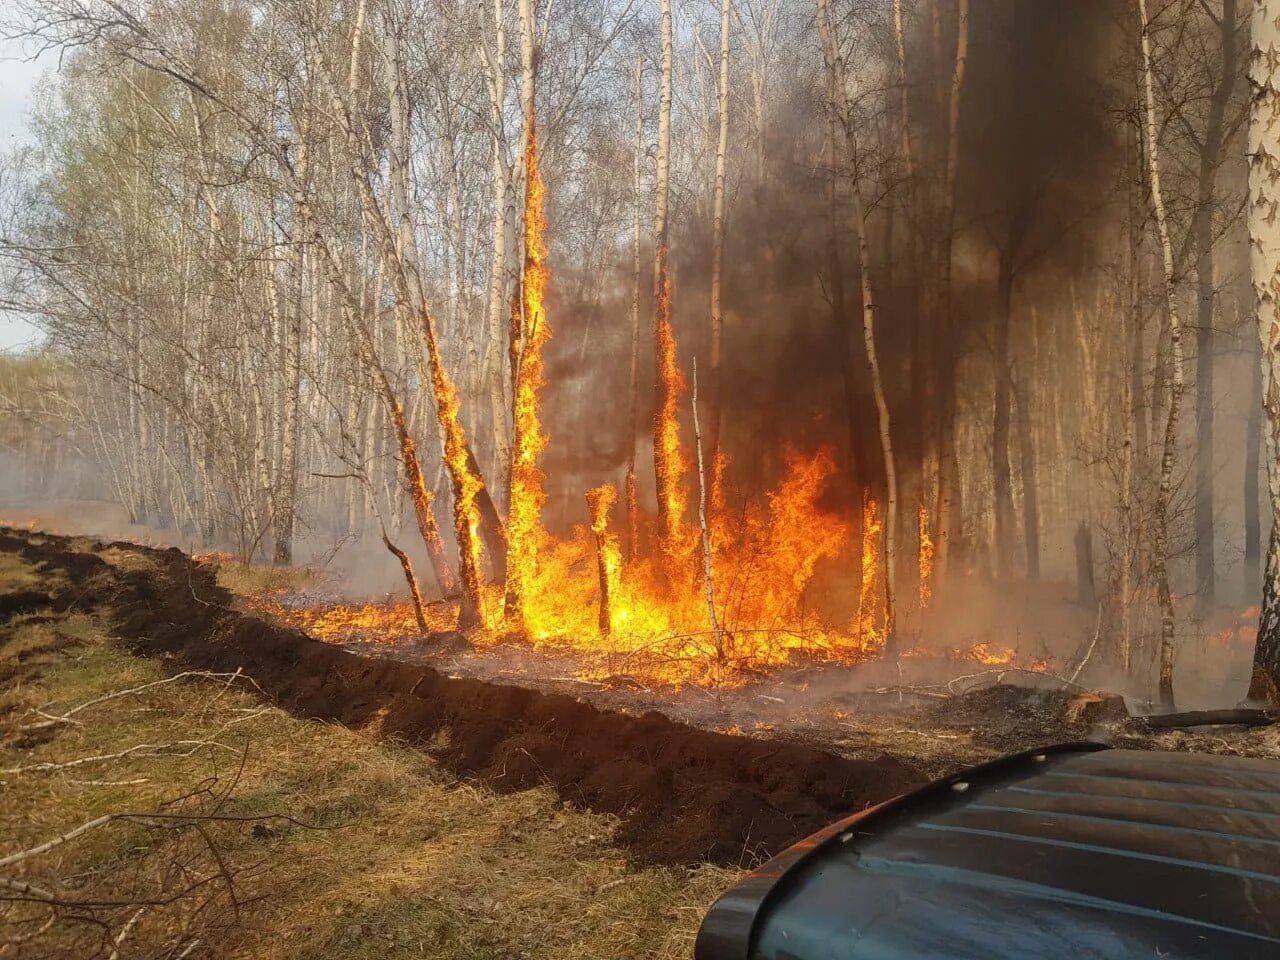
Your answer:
<point x="684" y="795"/>
<point x="23" y="601"/>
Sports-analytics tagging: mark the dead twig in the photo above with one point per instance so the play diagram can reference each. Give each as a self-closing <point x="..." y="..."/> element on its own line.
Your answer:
<point x="1000" y="674"/>
<point x="69" y="715"/>
<point x="125" y="931"/>
<point x="1097" y="630"/>
<point x="174" y="748"/>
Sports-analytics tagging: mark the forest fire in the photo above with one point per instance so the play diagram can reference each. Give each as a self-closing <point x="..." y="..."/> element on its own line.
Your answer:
<point x="649" y="618"/>
<point x="668" y="457"/>
<point x="925" y="562"/>
<point x="527" y="395"/>
<point x="936" y="438"/>
<point x="529" y="335"/>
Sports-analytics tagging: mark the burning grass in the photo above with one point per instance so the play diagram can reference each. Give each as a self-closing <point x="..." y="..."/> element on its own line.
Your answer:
<point x="647" y="619"/>
<point x="352" y="848"/>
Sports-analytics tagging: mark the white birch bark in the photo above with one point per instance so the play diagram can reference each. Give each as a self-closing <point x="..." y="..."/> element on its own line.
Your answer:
<point x="1264" y="235"/>
<point x="1175" y="377"/>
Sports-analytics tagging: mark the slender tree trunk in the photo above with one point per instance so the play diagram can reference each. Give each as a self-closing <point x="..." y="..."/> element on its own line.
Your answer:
<point x="1210" y="159"/>
<point x="1001" y="482"/>
<point x="1252" y="464"/>
<point x="717" y="254"/>
<point x="949" y="509"/>
<point x="704" y="527"/>
<point x="291" y="364"/>
<point x="836" y="88"/>
<point x="1175" y="381"/>
<point x="499" y="271"/>
<point x="904" y="91"/>
<point x="524" y="520"/>
<point x="668" y="461"/>
<point x="1133" y="393"/>
<point x="1027" y="465"/>
<point x="633" y="429"/>
<point x="1264" y="234"/>
<point x="835" y="275"/>
<point x="886" y="436"/>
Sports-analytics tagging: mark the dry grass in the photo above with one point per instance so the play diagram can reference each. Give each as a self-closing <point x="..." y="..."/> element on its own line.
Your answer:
<point x="387" y="856"/>
<point x="16" y="574"/>
<point x="260" y="579"/>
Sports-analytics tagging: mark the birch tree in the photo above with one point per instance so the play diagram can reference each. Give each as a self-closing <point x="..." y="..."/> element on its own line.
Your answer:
<point x="1175" y="384"/>
<point x="1264" y="236"/>
<point x="717" y="248"/>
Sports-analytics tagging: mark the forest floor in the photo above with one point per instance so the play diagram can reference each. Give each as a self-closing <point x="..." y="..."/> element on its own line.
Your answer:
<point x="304" y="839"/>
<point x="426" y="814"/>
<point x="936" y="714"/>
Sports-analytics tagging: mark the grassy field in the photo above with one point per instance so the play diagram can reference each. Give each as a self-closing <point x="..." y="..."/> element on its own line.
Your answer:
<point x="219" y="826"/>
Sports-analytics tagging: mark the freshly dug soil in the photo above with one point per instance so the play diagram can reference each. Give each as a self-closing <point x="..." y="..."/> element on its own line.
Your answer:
<point x="683" y="795"/>
<point x="24" y="601"/>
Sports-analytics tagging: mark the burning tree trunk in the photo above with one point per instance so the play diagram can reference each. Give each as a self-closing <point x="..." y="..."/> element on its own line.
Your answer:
<point x="633" y="431"/>
<point x="499" y="271"/>
<point x="467" y="486"/>
<point x="1175" y="378"/>
<point x="600" y="501"/>
<point x="406" y="565"/>
<point x="466" y="483"/>
<point x="421" y="498"/>
<point x="524" y="525"/>
<point x="1264" y="233"/>
<point x="397" y="248"/>
<point x="717" y="250"/>
<point x="707" y="579"/>
<point x="419" y="493"/>
<point x="924" y="560"/>
<point x="668" y="459"/>
<point x="948" y="509"/>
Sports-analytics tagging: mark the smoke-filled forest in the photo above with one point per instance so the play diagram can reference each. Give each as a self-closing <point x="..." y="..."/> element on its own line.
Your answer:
<point x="722" y="336"/>
<point x="640" y="479"/>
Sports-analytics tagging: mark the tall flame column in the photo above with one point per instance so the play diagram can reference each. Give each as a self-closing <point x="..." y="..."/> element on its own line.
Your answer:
<point x="524" y="528"/>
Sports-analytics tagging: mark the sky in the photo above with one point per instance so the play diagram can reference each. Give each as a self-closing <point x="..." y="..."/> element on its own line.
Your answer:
<point x="17" y="81"/>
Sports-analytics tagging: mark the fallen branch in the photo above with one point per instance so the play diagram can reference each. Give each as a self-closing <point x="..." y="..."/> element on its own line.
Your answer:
<point x="68" y="717"/>
<point x="999" y="677"/>
<point x="175" y="748"/>
<point x="913" y="691"/>
<point x="124" y="932"/>
<point x="1097" y="631"/>
<point x="1242" y="716"/>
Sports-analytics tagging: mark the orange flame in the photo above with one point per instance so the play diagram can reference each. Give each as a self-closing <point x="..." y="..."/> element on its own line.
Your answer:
<point x="764" y="559"/>
<point x="465" y="480"/>
<point x="668" y="457"/>
<point x="991" y="656"/>
<point x="925" y="559"/>
<point x="870" y="602"/>
<point x="524" y="523"/>
<point x="600" y="501"/>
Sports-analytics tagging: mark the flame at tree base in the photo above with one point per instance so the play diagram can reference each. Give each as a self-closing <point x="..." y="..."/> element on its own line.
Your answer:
<point x="764" y="561"/>
<point x="647" y="619"/>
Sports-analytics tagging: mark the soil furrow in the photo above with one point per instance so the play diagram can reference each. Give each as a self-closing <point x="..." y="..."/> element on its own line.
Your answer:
<point x="683" y="795"/>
